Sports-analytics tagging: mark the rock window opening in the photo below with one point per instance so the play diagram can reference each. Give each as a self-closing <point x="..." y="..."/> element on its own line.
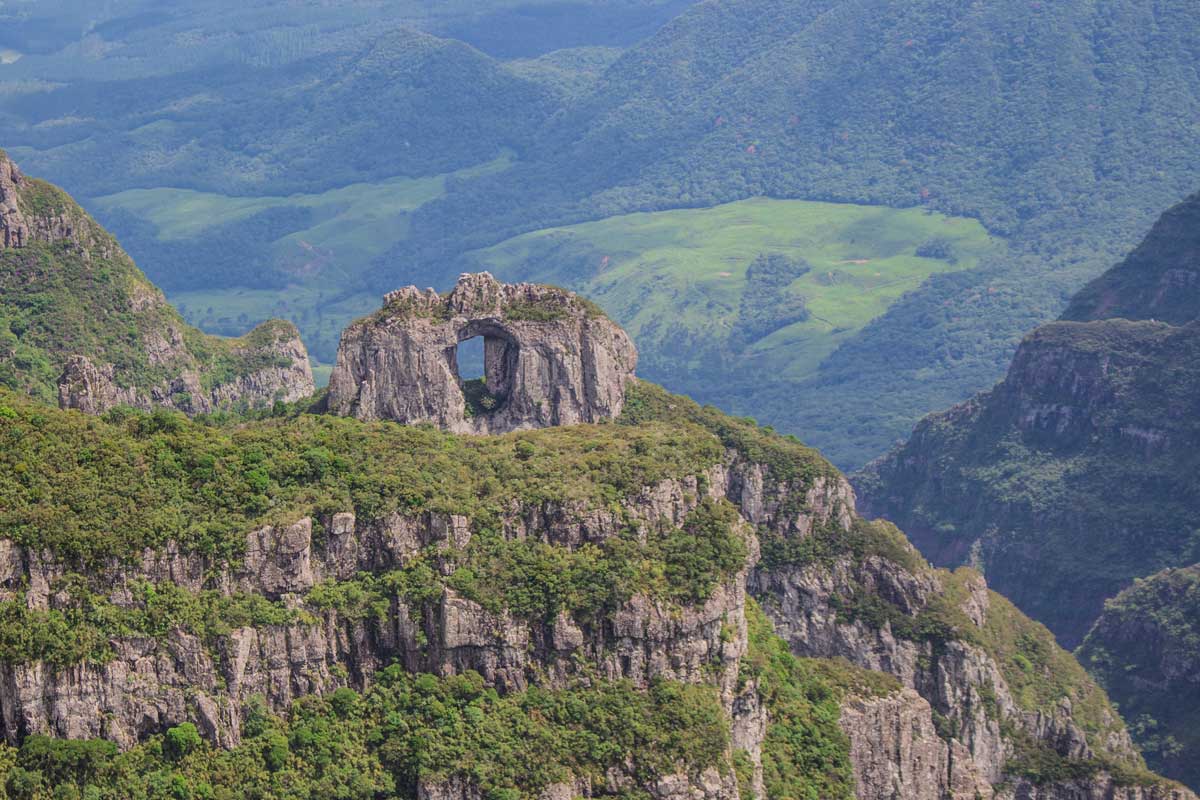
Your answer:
<point x="483" y="364"/>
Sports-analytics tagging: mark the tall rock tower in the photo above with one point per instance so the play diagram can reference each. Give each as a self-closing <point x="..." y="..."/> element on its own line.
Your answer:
<point x="550" y="358"/>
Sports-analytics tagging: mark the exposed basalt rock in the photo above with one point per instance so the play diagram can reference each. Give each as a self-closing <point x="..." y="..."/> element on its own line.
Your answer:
<point x="550" y="359"/>
<point x="144" y="688"/>
<point x="708" y="785"/>
<point x="898" y="755"/>
<point x="947" y="734"/>
<point x="1092" y="429"/>
<point x="1099" y="787"/>
<point x="280" y="372"/>
<point x="51" y="249"/>
<point x="14" y="230"/>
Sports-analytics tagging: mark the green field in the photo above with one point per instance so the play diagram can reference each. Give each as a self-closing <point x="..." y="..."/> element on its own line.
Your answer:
<point x="675" y="279"/>
<point x="350" y="226"/>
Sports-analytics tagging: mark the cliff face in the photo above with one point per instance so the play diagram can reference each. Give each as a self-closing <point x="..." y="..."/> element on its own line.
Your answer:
<point x="1078" y="473"/>
<point x="978" y="697"/>
<point x="1143" y="649"/>
<point x="1072" y="477"/>
<point x="549" y="359"/>
<point x="81" y="326"/>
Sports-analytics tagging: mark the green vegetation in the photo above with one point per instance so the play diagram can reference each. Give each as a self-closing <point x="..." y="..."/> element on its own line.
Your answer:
<point x="406" y="729"/>
<point x="83" y="296"/>
<point x="231" y="261"/>
<point x="91" y="489"/>
<point x="1145" y="651"/>
<point x="1065" y="511"/>
<point x="83" y="627"/>
<point x="718" y="298"/>
<point x="1156" y="281"/>
<point x="805" y="755"/>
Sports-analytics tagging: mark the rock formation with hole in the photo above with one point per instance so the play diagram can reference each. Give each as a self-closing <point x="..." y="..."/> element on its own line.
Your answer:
<point x="550" y="358"/>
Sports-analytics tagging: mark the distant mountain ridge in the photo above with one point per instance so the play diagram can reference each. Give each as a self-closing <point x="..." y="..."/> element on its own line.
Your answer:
<point x="1159" y="280"/>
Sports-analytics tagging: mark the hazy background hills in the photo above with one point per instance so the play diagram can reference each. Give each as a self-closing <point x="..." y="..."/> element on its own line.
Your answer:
<point x="938" y="177"/>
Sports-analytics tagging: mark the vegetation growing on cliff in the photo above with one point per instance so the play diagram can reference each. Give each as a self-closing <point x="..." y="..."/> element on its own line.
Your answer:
<point x="93" y="488"/>
<point x="1145" y="651"/>
<point x="805" y="755"/>
<point x="406" y="729"/>
<point x="83" y="296"/>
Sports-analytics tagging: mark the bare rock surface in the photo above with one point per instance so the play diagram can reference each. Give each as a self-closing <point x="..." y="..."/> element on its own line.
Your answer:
<point x="550" y="359"/>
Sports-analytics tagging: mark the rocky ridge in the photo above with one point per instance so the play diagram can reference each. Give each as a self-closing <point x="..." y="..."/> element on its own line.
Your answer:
<point x="1076" y="474"/>
<point x="66" y="286"/>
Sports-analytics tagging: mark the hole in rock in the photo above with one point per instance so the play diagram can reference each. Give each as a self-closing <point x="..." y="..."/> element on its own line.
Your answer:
<point x="470" y="359"/>
<point x="483" y="363"/>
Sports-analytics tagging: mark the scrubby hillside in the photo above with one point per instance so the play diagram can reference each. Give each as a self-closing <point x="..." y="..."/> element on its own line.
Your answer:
<point x="1145" y="649"/>
<point x="311" y="605"/>
<point x="82" y="327"/>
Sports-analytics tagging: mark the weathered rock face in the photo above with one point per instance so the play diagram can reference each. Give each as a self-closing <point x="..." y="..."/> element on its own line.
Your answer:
<point x="51" y="248"/>
<point x="1092" y="430"/>
<point x="550" y="359"/>
<point x="278" y="370"/>
<point x="151" y="685"/>
<point x="898" y="750"/>
<point x="898" y="754"/>
<point x="14" y="230"/>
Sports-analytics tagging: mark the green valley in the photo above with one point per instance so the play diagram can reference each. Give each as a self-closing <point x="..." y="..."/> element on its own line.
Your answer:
<point x="682" y="282"/>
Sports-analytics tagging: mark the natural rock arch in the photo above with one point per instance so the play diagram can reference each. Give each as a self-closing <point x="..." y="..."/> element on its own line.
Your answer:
<point x="550" y="358"/>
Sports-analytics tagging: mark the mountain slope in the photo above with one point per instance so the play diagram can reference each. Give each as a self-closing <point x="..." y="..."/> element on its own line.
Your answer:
<point x="1077" y="473"/>
<point x="397" y="102"/>
<point x="1157" y="281"/>
<point x="81" y="326"/>
<point x="1064" y="127"/>
<point x="313" y="605"/>
<point x="1144" y="649"/>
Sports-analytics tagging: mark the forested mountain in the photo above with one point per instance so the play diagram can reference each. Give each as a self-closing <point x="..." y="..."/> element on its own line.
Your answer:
<point x="1157" y="281"/>
<point x="309" y="605"/>
<point x="402" y="103"/>
<point x="1145" y="649"/>
<point x="1078" y="473"/>
<point x="1064" y="127"/>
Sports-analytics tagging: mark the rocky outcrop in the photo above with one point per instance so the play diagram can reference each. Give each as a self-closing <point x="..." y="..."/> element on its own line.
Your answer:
<point x="550" y="359"/>
<point x="151" y="685"/>
<point x="1092" y="431"/>
<point x="941" y="736"/>
<point x="898" y="753"/>
<point x="1143" y="649"/>
<point x="14" y="230"/>
<point x="276" y="368"/>
<point x="84" y="284"/>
